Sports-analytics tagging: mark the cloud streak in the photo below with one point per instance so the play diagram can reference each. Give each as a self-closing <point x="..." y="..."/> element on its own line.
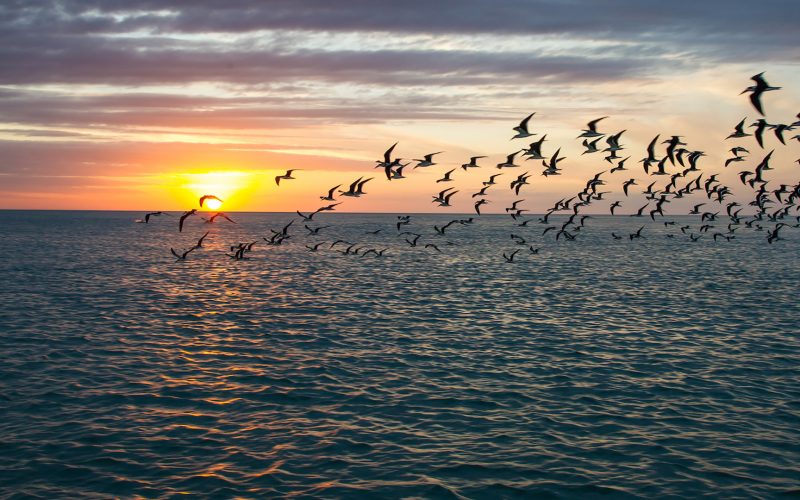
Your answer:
<point x="139" y="87"/>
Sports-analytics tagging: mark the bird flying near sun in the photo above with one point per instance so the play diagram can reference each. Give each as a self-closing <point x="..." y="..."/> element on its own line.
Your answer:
<point x="211" y="201"/>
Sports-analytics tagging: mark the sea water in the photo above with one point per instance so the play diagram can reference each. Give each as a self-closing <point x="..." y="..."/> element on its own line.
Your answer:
<point x="598" y="367"/>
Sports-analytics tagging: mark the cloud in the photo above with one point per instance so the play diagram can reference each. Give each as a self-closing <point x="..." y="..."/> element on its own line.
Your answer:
<point x="113" y="85"/>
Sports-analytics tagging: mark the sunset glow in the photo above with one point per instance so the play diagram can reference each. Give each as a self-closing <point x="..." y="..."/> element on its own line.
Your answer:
<point x="213" y="204"/>
<point x="226" y="106"/>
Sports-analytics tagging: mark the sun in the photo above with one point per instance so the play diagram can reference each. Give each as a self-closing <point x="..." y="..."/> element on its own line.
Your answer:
<point x="213" y="204"/>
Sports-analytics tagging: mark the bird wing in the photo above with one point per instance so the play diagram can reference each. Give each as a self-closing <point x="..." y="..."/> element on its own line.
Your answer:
<point x="755" y="99"/>
<point x="353" y="185"/>
<point x="387" y="155"/>
<point x="524" y="123"/>
<point x="592" y="125"/>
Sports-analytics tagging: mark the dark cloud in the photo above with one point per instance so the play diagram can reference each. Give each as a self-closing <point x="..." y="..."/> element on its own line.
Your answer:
<point x="771" y="18"/>
<point x="81" y="42"/>
<point x="118" y="112"/>
<point x="78" y="61"/>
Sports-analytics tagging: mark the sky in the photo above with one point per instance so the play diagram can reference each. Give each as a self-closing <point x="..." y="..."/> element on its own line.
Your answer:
<point x="146" y="105"/>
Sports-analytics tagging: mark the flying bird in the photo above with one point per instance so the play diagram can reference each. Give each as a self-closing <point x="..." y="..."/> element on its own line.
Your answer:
<point x="200" y="241"/>
<point x="509" y="163"/>
<point x="591" y="129"/>
<point x="183" y="218"/>
<point x="181" y="256"/>
<point x="329" y="196"/>
<point x="739" y="131"/>
<point x="427" y="161"/>
<point x="208" y="197"/>
<point x="446" y="177"/>
<point x="757" y="90"/>
<point x="287" y="176"/>
<point x="473" y="162"/>
<point x="522" y="128"/>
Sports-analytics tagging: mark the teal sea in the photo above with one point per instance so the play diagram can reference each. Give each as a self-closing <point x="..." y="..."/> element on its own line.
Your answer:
<point x="597" y="368"/>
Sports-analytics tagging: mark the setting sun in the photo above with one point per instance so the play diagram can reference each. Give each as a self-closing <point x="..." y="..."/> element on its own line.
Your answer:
<point x="216" y="188"/>
<point x="213" y="204"/>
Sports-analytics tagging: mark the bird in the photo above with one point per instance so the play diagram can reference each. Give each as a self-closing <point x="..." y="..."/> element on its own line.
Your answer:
<point x="757" y="90"/>
<point x="778" y="129"/>
<point x="696" y="209"/>
<point x="627" y="184"/>
<point x="510" y="257"/>
<point x="181" y="256"/>
<point x="315" y="230"/>
<point x="651" y="155"/>
<point x="413" y="242"/>
<point x="427" y="161"/>
<point x="591" y="129"/>
<point x="329" y="196"/>
<point x="439" y="198"/>
<point x="760" y="126"/>
<point x="519" y="240"/>
<point x="445" y="201"/>
<point x="287" y="176"/>
<point x="614" y="205"/>
<point x="552" y="167"/>
<point x="522" y="128"/>
<point x="307" y="218"/>
<point x="353" y="190"/>
<point x="520" y="181"/>
<point x="147" y="216"/>
<point x="591" y="147"/>
<point x="620" y="166"/>
<point x="208" y="197"/>
<point x="491" y="181"/>
<point x="473" y="162"/>
<point x="446" y="177"/>
<point x="441" y="230"/>
<point x="734" y="159"/>
<point x="396" y="173"/>
<point x="739" y="131"/>
<point x="534" y="151"/>
<point x="329" y="208"/>
<point x="214" y="217"/>
<point x="387" y="157"/>
<point x="478" y="204"/>
<point x="613" y="142"/>
<point x="200" y="241"/>
<point x="509" y="163"/>
<point x="672" y="145"/>
<point x="514" y="205"/>
<point x="183" y="218"/>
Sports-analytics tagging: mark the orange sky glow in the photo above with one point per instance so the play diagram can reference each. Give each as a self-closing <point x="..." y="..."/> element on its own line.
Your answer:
<point x="79" y="133"/>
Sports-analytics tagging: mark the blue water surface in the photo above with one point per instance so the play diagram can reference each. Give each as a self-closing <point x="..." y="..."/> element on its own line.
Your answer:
<point x="654" y="367"/>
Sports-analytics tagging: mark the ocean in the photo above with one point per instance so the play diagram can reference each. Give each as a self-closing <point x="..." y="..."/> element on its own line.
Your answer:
<point x="652" y="367"/>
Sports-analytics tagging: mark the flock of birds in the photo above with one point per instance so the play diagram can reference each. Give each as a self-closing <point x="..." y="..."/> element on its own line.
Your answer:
<point x="672" y="175"/>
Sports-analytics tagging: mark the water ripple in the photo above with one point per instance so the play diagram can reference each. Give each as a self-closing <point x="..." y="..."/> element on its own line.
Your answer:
<point x="596" y="369"/>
